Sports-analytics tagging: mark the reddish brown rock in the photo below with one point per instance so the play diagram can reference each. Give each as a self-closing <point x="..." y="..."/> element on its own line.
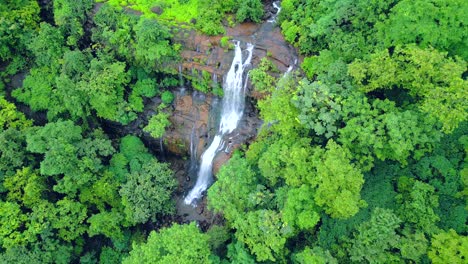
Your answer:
<point x="220" y="160"/>
<point x="189" y="119"/>
<point x="204" y="53"/>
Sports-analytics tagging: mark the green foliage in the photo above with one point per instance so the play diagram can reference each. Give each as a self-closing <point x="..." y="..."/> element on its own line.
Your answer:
<point x="250" y="10"/>
<point x="379" y="129"/>
<point x="382" y="80"/>
<point x="69" y="219"/>
<point x="167" y="97"/>
<point x="70" y="16"/>
<point x="449" y="247"/>
<point x="10" y="117"/>
<point x="105" y="84"/>
<point x="142" y="88"/>
<point x="418" y="202"/>
<point x="320" y="107"/>
<point x="261" y="78"/>
<point x="342" y="26"/>
<point x="287" y="159"/>
<point x="436" y="23"/>
<point x="376" y="239"/>
<point x="13" y="152"/>
<point x="148" y="192"/>
<point x="12" y="219"/>
<point x="25" y="187"/>
<point x="110" y="256"/>
<point x="314" y="255"/>
<point x="203" y="82"/>
<point x="238" y="254"/>
<point x="300" y="210"/>
<point x="152" y="45"/>
<point x="177" y="244"/>
<point x="67" y="153"/>
<point x="106" y="223"/>
<point x="209" y="21"/>
<point x="224" y="43"/>
<point x="47" y="46"/>
<point x="262" y="232"/>
<point x="278" y="111"/>
<point x="157" y="124"/>
<point x="427" y="74"/>
<point x="236" y="180"/>
<point x="19" y="20"/>
<point x="339" y="182"/>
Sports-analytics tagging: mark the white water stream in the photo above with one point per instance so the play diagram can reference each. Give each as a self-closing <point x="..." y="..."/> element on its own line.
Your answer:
<point x="231" y="113"/>
<point x="278" y="8"/>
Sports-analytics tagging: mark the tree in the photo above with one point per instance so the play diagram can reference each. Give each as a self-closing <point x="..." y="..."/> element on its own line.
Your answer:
<point x="105" y="84"/>
<point x="376" y="239"/>
<point x="320" y="107"/>
<point x="75" y="160"/>
<point x="250" y="9"/>
<point x="12" y="139"/>
<point x="449" y="247"/>
<point x="13" y="151"/>
<point x="152" y="45"/>
<point x="177" y="244"/>
<point x="436" y="23"/>
<point x="69" y="218"/>
<point x="157" y="124"/>
<point x="345" y="27"/>
<point x="338" y="182"/>
<point x="431" y="78"/>
<point x="143" y="87"/>
<point x="300" y="211"/>
<point x="108" y="224"/>
<point x="278" y="111"/>
<point x="418" y="201"/>
<point x="148" y="192"/>
<point x="209" y="21"/>
<point x="261" y="78"/>
<point x="71" y="16"/>
<point x="236" y="181"/>
<point x="114" y="31"/>
<point x="25" y="187"/>
<point x="12" y="219"/>
<point x="10" y="117"/>
<point x="48" y="47"/>
<point x="261" y="231"/>
<point x="238" y="254"/>
<point x="73" y="99"/>
<point x="285" y="159"/>
<point x="314" y="255"/>
<point x="378" y="129"/>
<point x="20" y="18"/>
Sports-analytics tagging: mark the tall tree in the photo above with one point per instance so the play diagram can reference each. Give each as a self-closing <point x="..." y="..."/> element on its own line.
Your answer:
<point x="177" y="244"/>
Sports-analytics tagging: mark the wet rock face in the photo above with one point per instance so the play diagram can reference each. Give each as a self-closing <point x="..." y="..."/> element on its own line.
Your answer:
<point x="204" y="53"/>
<point x="190" y="123"/>
<point x="195" y="122"/>
<point x="194" y="117"/>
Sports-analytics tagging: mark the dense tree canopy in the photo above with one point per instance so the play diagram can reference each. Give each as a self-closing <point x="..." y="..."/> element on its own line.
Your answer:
<point x="361" y="157"/>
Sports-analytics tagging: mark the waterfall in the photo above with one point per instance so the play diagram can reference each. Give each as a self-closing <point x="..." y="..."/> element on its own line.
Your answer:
<point x="278" y="8"/>
<point x="231" y="113"/>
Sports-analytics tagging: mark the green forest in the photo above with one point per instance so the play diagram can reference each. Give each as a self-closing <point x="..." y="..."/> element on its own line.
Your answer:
<point x="361" y="158"/>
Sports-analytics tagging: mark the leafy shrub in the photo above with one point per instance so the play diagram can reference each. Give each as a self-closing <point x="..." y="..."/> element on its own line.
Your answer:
<point x="167" y="97"/>
<point x="261" y="79"/>
<point x="157" y="125"/>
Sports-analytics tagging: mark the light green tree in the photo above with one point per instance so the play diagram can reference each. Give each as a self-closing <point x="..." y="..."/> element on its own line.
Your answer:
<point x="183" y="244"/>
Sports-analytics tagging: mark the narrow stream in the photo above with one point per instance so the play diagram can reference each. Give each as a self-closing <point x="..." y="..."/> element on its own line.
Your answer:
<point x="231" y="113"/>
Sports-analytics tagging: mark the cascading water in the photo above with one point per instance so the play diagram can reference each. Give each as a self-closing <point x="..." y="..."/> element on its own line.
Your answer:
<point x="278" y="8"/>
<point x="231" y="113"/>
